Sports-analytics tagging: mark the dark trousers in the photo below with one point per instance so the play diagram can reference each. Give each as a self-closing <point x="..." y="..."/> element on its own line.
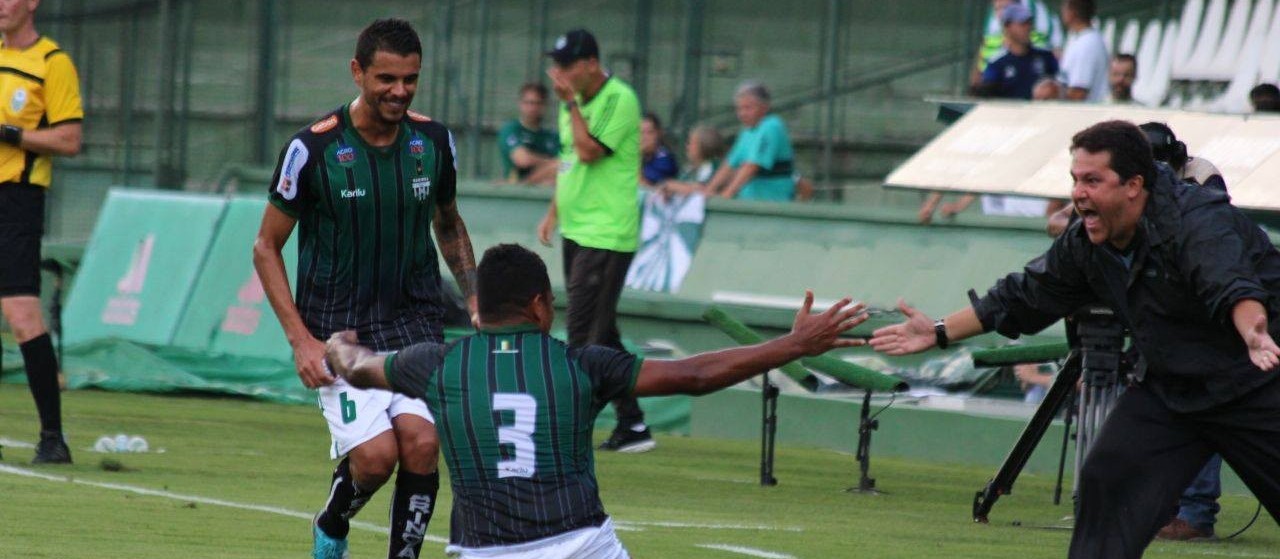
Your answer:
<point x="1145" y="455"/>
<point x="594" y="279"/>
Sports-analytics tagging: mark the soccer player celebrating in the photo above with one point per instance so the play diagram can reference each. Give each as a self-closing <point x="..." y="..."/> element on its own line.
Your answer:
<point x="363" y="184"/>
<point x="516" y="407"/>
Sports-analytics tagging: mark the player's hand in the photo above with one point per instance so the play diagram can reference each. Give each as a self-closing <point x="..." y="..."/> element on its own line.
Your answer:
<point x="560" y="85"/>
<point x="820" y="333"/>
<point x="1262" y="349"/>
<point x="342" y="353"/>
<point x="473" y="307"/>
<point x="545" y="229"/>
<point x="913" y="335"/>
<point x="308" y="358"/>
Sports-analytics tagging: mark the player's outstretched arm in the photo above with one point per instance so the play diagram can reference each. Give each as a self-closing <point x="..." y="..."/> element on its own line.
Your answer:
<point x="359" y="365"/>
<point x="811" y="334"/>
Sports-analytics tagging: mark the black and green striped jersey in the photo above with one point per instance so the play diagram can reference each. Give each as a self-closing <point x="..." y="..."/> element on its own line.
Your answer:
<point x="514" y="409"/>
<point x="366" y="259"/>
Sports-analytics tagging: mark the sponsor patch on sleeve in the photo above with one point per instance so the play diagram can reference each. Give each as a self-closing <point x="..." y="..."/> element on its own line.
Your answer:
<point x="324" y="125"/>
<point x="295" y="158"/>
<point x="415" y="115"/>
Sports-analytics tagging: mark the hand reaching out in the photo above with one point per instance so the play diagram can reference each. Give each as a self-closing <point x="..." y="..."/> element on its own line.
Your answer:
<point x="913" y="335"/>
<point x="820" y="333"/>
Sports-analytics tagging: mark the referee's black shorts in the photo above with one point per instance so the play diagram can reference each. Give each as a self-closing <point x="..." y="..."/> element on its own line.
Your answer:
<point x="21" y="226"/>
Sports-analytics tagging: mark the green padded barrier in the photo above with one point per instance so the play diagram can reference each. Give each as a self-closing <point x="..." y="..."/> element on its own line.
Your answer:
<point x="228" y="311"/>
<point x="1015" y="354"/>
<point x="140" y="266"/>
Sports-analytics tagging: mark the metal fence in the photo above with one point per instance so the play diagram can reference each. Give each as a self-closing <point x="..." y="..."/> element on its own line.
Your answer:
<point x="179" y="91"/>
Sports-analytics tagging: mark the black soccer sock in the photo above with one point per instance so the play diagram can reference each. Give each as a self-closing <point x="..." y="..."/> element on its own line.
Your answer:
<point x="411" y="506"/>
<point x="42" y="379"/>
<point x="345" y="500"/>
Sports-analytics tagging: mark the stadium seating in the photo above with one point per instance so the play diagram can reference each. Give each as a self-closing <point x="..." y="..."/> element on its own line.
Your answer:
<point x="1227" y="57"/>
<point x="1206" y="43"/>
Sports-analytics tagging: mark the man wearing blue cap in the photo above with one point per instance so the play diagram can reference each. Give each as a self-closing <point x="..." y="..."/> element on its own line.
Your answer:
<point x="1015" y="73"/>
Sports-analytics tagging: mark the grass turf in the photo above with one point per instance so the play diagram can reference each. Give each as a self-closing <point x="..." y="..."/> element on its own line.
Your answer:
<point x="670" y="503"/>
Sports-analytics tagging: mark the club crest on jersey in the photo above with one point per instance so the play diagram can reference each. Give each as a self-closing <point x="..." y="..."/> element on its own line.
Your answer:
<point x="19" y="99"/>
<point x="417" y="147"/>
<point x="421" y="188"/>
<point x="346" y="156"/>
<point x="504" y="347"/>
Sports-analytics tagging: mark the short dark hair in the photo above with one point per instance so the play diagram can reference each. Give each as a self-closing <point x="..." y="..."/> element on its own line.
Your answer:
<point x="1127" y="144"/>
<point x="1084" y="9"/>
<point x="1126" y="57"/>
<point x="508" y="277"/>
<point x="391" y="35"/>
<point x="653" y="119"/>
<point x="1265" y="98"/>
<point x="535" y="87"/>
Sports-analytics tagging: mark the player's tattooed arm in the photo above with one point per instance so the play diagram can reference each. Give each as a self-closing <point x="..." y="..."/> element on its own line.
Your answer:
<point x="455" y="247"/>
<point x="346" y="358"/>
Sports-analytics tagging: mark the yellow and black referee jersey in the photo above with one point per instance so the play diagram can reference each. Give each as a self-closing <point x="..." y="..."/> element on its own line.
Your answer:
<point x="39" y="88"/>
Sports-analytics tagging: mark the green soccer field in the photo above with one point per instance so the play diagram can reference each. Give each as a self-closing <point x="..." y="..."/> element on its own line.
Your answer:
<point x="240" y="479"/>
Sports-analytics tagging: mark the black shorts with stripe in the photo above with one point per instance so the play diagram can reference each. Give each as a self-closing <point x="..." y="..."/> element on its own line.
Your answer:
<point x="21" y="226"/>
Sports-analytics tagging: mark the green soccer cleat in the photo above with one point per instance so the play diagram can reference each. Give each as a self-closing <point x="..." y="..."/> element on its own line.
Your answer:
<point x="327" y="547"/>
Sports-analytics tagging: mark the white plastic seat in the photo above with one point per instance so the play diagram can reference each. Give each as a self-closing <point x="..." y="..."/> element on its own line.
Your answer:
<point x="1109" y="34"/>
<point x="1154" y="58"/>
<point x="1188" y="27"/>
<point x="1129" y="39"/>
<point x="1228" y="55"/>
<point x="1269" y="63"/>
<point x="1206" y="42"/>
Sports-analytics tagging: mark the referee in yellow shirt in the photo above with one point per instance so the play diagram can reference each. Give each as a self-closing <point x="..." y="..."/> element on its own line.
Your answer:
<point x="40" y="100"/>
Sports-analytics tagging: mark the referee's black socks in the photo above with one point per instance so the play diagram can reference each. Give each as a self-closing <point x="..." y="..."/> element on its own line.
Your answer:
<point x="345" y="500"/>
<point x="412" y="504"/>
<point x="42" y="379"/>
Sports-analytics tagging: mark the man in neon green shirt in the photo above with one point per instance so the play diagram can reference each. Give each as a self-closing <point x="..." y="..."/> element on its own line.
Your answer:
<point x="597" y="205"/>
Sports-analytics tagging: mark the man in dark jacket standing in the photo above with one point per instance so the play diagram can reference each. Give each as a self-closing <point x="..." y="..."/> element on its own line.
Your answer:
<point x="1196" y="282"/>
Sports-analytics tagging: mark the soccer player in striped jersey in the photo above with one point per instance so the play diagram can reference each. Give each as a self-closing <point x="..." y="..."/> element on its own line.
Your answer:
<point x="365" y="185"/>
<point x="515" y="408"/>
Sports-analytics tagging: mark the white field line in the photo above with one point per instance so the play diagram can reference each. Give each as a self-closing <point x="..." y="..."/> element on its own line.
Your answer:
<point x="746" y="551"/>
<point x="193" y="498"/>
<point x="15" y="444"/>
<point x="1202" y="550"/>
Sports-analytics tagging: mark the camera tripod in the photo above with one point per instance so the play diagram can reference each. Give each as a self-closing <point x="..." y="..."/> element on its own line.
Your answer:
<point x="1096" y="359"/>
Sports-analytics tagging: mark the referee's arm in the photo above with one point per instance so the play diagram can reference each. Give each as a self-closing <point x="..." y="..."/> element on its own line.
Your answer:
<point x="61" y="139"/>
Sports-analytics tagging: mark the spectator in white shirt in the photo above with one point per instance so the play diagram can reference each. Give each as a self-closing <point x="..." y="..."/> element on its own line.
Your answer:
<point x="1083" y="70"/>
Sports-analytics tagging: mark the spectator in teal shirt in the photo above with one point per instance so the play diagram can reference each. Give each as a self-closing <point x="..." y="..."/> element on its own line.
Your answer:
<point x="527" y="150"/>
<point x="759" y="166"/>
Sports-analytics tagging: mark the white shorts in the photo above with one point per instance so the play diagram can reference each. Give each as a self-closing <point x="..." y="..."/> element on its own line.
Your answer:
<point x="356" y="415"/>
<point x="596" y="542"/>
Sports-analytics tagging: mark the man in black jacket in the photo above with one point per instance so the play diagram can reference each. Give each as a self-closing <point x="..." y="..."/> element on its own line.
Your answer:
<point x="1196" y="282"/>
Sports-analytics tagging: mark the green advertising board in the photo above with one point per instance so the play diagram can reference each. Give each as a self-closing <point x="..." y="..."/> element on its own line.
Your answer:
<point x="228" y="312"/>
<point x="140" y="266"/>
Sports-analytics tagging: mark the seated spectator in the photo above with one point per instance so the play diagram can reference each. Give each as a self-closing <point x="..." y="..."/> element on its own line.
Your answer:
<point x="703" y="150"/>
<point x="656" y="162"/>
<point x="760" y="161"/>
<point x="1120" y="76"/>
<point x="1265" y="98"/>
<point x="1083" y="69"/>
<point x="527" y="150"/>
<point x="1015" y="73"/>
<point x="1046" y="33"/>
